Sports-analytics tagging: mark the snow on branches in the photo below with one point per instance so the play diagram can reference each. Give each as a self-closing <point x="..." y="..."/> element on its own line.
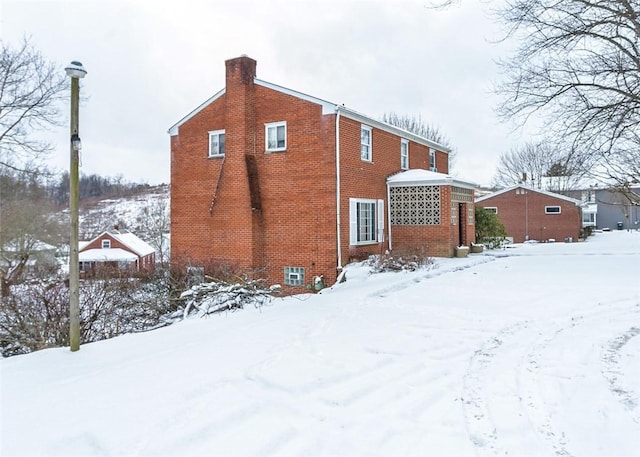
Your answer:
<point x="216" y="296"/>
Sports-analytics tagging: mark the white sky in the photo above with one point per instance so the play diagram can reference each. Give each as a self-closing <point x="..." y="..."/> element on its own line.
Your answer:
<point x="151" y="62"/>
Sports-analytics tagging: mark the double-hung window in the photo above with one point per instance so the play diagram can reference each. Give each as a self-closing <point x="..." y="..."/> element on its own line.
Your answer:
<point x="216" y="143"/>
<point x="106" y="244"/>
<point x="275" y="136"/>
<point x="365" y="143"/>
<point x="366" y="221"/>
<point x="432" y="159"/>
<point x="404" y="154"/>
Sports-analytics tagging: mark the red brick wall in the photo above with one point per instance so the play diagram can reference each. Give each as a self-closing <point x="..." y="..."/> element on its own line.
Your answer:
<point x="523" y="214"/>
<point x="296" y="225"/>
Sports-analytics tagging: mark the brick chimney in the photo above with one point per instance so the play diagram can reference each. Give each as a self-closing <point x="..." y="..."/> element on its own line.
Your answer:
<point x="241" y="69"/>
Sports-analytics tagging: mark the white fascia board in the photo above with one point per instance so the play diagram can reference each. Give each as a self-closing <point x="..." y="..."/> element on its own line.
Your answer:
<point x="173" y="130"/>
<point x="540" y="191"/>
<point x="351" y="114"/>
<point x="327" y="107"/>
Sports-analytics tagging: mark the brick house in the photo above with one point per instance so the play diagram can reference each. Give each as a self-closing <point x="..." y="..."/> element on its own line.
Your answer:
<point x="268" y="178"/>
<point x="534" y="214"/>
<point x="115" y="252"/>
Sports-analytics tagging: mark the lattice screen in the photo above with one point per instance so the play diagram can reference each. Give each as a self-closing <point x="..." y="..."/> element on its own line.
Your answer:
<point x="460" y="194"/>
<point x="415" y="205"/>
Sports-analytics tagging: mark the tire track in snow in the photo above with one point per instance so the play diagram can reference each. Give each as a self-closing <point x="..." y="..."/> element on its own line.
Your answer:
<point x="614" y="375"/>
<point x="481" y="428"/>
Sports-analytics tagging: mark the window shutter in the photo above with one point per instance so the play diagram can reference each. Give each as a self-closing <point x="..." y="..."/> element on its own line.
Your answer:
<point x="353" y="222"/>
<point x="380" y="225"/>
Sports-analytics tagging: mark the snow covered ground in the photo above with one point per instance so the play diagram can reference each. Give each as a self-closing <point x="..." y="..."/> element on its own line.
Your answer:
<point x="530" y="351"/>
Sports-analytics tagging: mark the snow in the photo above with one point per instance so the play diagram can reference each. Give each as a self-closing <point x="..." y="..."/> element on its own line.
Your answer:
<point x="528" y="351"/>
<point x="106" y="255"/>
<point x="134" y="243"/>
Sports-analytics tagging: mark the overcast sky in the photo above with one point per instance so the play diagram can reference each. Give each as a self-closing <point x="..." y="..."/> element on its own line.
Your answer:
<point x="150" y="63"/>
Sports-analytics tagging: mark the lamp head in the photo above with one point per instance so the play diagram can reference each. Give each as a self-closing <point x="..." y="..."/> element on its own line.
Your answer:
<point x="76" y="144"/>
<point x="75" y="70"/>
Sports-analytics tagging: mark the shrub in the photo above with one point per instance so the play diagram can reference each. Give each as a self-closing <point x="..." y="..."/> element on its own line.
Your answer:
<point x="399" y="262"/>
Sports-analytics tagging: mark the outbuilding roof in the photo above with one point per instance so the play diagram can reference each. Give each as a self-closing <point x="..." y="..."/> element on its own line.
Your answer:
<point x="531" y="189"/>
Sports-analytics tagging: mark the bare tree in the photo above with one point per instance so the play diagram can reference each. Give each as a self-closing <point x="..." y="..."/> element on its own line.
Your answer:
<point x="154" y="226"/>
<point x="543" y="165"/>
<point x="30" y="89"/>
<point x="27" y="225"/>
<point x="576" y="67"/>
<point x="418" y="126"/>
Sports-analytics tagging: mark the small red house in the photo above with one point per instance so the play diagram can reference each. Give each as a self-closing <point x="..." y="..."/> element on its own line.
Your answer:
<point x="533" y="214"/>
<point x="277" y="181"/>
<point x="116" y="252"/>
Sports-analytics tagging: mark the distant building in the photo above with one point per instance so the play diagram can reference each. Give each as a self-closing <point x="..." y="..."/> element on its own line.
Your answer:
<point x="613" y="210"/>
<point x="533" y="214"/>
<point x="115" y="252"/>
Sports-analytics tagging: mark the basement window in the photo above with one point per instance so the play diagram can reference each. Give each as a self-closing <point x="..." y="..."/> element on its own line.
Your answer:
<point x="552" y="210"/>
<point x="275" y="136"/>
<point x="216" y="143"/>
<point x="294" y="276"/>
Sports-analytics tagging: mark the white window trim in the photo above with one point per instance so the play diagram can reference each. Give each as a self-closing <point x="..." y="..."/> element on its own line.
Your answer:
<point x="432" y="160"/>
<point x="369" y="157"/>
<point x="404" y="154"/>
<point x="546" y="209"/>
<point x="493" y="209"/>
<point x="266" y="136"/>
<point x="378" y="220"/>
<point x="213" y="133"/>
<point x="106" y="244"/>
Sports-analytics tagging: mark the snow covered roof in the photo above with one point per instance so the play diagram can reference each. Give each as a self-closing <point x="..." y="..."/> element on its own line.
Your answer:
<point x="129" y="239"/>
<point x="418" y="176"/>
<point x="531" y="189"/>
<point x="107" y="255"/>
<point x="137" y="245"/>
<point x="327" y="108"/>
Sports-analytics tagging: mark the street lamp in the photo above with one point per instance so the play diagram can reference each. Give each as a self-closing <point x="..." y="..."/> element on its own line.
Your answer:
<point x="75" y="71"/>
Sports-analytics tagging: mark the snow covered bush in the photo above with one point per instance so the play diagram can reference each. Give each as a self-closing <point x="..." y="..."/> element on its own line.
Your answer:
<point x="36" y="314"/>
<point x="400" y="262"/>
<point x="216" y="295"/>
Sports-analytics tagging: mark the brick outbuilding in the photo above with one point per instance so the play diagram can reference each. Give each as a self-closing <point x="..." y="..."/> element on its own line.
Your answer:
<point x="534" y="214"/>
<point x="268" y="179"/>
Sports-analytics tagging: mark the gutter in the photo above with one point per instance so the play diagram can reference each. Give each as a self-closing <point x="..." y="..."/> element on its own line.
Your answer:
<point x="338" y="226"/>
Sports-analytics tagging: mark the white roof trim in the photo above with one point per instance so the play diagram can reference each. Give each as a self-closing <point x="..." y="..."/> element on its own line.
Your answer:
<point x="522" y="186"/>
<point x="173" y="130"/>
<point x="351" y="114"/>
<point x="421" y="177"/>
<point x="327" y="107"/>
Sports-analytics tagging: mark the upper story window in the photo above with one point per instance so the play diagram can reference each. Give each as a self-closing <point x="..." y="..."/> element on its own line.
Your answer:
<point x="106" y="244"/>
<point x="365" y="143"/>
<point x="275" y="136"/>
<point x="492" y="209"/>
<point x="216" y="143"/>
<point x="404" y="154"/>
<point x="432" y="159"/>
<point x="552" y="210"/>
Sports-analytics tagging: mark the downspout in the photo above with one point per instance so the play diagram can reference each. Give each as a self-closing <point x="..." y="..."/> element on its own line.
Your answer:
<point x="338" y="238"/>
<point x="389" y="214"/>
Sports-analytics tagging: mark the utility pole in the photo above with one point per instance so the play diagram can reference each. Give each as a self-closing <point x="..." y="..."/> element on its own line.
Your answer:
<point x="75" y="71"/>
